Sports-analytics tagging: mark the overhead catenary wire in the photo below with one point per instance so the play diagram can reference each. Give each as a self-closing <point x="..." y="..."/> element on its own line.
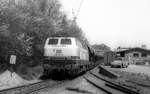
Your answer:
<point x="78" y="10"/>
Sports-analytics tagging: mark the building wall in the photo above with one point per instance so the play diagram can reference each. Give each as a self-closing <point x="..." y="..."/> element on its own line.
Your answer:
<point x="130" y="57"/>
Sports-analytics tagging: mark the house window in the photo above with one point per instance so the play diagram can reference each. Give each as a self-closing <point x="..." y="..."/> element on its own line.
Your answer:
<point x="144" y="55"/>
<point x="122" y="54"/>
<point x="135" y="55"/>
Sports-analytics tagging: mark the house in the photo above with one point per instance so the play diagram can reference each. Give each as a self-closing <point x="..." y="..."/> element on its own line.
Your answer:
<point x="135" y="55"/>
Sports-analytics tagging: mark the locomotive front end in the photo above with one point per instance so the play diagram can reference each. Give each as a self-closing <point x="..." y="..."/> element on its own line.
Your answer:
<point x="60" y="53"/>
<point x="66" y="55"/>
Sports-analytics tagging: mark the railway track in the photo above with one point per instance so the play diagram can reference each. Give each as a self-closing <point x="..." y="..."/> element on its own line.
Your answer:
<point x="31" y="88"/>
<point x="105" y="85"/>
<point x="108" y="86"/>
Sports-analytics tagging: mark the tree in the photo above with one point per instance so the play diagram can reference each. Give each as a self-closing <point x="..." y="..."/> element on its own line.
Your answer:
<point x="29" y="21"/>
<point x="24" y="26"/>
<point x="69" y="28"/>
<point x="102" y="47"/>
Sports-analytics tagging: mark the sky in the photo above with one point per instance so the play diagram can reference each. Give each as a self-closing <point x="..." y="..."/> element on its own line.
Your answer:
<point x="124" y="23"/>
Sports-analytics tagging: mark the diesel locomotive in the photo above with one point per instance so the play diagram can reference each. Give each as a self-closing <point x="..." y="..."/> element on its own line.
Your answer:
<point x="67" y="55"/>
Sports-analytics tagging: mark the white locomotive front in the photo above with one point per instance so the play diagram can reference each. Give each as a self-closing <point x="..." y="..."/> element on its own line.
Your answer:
<point x="64" y="48"/>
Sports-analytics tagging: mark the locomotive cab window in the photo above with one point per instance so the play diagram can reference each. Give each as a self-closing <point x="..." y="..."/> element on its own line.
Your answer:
<point x="65" y="41"/>
<point x="53" y="41"/>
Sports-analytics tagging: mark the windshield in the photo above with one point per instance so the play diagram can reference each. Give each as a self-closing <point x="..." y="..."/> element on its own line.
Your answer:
<point x="53" y="41"/>
<point x="66" y="41"/>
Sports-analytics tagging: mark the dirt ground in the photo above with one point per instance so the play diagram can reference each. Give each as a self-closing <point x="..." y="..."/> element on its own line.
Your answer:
<point x="134" y="76"/>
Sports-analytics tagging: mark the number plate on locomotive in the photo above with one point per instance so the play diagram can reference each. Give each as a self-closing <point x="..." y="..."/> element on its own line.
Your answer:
<point x="58" y="51"/>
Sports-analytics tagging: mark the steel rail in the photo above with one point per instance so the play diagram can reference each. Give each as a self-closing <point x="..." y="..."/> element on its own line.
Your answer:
<point x="98" y="86"/>
<point x="115" y="85"/>
<point x="101" y="84"/>
<point x="30" y="88"/>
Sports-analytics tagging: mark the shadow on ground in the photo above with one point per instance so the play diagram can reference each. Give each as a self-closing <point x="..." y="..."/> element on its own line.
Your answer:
<point x="59" y="76"/>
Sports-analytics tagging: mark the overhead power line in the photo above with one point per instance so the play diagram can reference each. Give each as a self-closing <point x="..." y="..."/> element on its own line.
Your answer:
<point x="78" y="10"/>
